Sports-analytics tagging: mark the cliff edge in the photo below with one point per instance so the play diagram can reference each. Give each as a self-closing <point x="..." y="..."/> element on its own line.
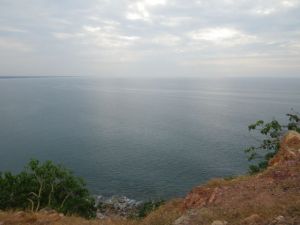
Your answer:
<point x="271" y="197"/>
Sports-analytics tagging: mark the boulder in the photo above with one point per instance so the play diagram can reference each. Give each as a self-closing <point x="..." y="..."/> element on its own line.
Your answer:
<point x="252" y="220"/>
<point x="183" y="220"/>
<point x="279" y="220"/>
<point x="219" y="222"/>
<point x="187" y="218"/>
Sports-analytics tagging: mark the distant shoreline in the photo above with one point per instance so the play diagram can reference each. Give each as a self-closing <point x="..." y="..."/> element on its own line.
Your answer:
<point x="32" y="77"/>
<point x="148" y="78"/>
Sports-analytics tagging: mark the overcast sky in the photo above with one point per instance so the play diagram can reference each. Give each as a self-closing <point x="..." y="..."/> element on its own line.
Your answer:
<point x="150" y="38"/>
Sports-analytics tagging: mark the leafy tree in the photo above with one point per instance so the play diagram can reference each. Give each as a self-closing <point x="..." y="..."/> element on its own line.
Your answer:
<point x="46" y="185"/>
<point x="270" y="144"/>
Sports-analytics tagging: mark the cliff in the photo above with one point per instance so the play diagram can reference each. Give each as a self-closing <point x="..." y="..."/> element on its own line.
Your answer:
<point x="269" y="198"/>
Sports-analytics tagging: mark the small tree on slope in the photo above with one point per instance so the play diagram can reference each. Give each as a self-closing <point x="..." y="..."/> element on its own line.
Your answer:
<point x="270" y="144"/>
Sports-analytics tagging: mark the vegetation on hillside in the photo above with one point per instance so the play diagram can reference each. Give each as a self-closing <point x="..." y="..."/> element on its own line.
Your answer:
<point x="45" y="185"/>
<point x="270" y="143"/>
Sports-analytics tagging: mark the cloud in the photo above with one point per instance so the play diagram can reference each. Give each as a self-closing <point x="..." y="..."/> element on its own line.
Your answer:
<point x="108" y="37"/>
<point x="91" y="29"/>
<point x="221" y="36"/>
<point x="167" y="40"/>
<point x="66" y="36"/>
<point x="140" y="10"/>
<point x="273" y="7"/>
<point x="100" y="35"/>
<point x="265" y="11"/>
<point x="14" y="45"/>
<point x="290" y="3"/>
<point x="11" y="29"/>
<point x="174" y="21"/>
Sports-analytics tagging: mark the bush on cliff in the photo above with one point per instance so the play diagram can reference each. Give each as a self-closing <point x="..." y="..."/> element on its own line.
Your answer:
<point x="269" y="145"/>
<point x="45" y="185"/>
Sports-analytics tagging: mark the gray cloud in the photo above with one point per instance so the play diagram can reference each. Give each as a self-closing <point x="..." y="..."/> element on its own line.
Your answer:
<point x="150" y="37"/>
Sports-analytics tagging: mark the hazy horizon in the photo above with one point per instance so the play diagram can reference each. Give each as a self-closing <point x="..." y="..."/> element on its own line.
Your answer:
<point x="150" y="38"/>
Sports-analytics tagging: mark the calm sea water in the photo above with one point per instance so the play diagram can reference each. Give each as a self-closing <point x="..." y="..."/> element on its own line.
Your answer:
<point x="143" y="138"/>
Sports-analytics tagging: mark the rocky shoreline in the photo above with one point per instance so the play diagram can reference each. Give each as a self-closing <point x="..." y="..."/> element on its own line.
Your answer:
<point x="121" y="207"/>
<point x="117" y="206"/>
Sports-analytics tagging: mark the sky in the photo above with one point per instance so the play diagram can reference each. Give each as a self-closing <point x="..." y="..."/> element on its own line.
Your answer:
<point x="150" y="38"/>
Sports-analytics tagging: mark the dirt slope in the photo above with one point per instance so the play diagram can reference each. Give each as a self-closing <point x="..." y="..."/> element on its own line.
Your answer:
<point x="261" y="198"/>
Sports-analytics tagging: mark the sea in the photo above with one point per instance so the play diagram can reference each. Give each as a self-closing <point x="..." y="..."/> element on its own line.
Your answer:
<point x="138" y="137"/>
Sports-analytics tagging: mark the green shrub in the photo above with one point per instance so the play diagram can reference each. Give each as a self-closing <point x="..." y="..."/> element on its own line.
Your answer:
<point x="270" y="144"/>
<point x="45" y="185"/>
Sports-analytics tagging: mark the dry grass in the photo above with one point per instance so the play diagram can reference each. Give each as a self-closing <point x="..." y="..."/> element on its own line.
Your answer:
<point x="236" y="215"/>
<point x="270" y="194"/>
<point x="164" y="215"/>
<point x="11" y="218"/>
